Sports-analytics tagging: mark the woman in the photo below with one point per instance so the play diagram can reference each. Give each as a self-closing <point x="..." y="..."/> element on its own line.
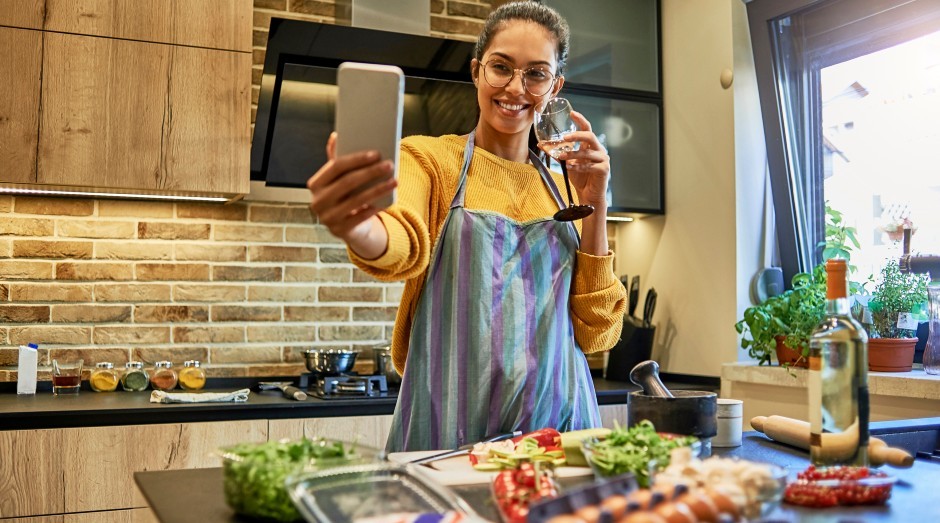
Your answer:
<point x="501" y="302"/>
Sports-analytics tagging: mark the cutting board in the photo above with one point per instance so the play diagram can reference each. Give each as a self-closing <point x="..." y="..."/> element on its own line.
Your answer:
<point x="459" y="471"/>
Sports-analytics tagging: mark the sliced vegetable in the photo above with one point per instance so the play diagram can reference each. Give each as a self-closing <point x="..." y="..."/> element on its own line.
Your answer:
<point x="571" y="444"/>
<point x="521" y="449"/>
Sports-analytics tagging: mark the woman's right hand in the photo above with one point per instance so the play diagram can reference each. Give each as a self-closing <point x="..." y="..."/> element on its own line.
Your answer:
<point x="336" y="199"/>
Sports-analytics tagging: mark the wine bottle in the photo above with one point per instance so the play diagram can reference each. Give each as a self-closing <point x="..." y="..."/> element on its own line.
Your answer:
<point x="838" y="379"/>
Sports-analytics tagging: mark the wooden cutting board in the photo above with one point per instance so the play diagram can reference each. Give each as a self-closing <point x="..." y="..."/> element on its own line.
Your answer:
<point x="459" y="471"/>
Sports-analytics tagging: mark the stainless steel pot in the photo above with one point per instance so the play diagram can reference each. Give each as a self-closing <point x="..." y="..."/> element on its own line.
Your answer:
<point x="382" y="359"/>
<point x="330" y="362"/>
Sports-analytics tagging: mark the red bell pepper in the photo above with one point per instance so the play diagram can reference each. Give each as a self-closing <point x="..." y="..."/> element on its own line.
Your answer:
<point x="547" y="437"/>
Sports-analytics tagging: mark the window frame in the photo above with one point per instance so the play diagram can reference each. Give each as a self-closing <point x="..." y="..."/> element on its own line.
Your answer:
<point x="842" y="30"/>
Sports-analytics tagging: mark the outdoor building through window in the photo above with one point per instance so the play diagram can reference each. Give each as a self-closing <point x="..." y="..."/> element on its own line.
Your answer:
<point x="850" y="97"/>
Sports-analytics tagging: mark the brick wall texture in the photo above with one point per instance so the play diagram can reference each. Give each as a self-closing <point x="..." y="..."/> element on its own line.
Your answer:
<point x="243" y="287"/>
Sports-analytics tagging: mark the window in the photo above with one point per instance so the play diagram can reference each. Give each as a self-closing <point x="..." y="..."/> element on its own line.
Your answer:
<point x="850" y="96"/>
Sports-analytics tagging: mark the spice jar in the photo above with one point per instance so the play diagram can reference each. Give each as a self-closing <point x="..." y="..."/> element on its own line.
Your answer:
<point x="163" y="377"/>
<point x="192" y="377"/>
<point x="104" y="378"/>
<point x="135" y="377"/>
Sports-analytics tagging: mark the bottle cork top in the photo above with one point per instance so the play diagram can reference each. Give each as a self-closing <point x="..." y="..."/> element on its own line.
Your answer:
<point x="836" y="280"/>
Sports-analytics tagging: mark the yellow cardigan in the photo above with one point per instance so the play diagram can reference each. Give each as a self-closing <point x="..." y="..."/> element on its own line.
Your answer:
<point x="429" y="169"/>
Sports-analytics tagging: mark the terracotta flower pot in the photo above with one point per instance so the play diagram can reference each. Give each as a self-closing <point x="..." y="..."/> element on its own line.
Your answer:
<point x="787" y="355"/>
<point x="891" y="354"/>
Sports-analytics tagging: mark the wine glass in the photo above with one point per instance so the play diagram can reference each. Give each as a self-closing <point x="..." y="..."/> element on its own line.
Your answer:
<point x="552" y="125"/>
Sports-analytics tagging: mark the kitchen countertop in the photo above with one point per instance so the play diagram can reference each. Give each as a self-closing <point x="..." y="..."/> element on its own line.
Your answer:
<point x="90" y="409"/>
<point x="184" y="496"/>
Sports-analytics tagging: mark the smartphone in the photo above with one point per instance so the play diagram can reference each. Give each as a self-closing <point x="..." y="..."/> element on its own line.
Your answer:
<point x="369" y="111"/>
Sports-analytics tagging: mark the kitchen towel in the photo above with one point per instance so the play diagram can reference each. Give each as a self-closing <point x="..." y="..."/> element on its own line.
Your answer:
<point x="159" y="396"/>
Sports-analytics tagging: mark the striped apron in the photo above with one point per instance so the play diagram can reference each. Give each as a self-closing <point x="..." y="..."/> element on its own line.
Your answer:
<point x="492" y="345"/>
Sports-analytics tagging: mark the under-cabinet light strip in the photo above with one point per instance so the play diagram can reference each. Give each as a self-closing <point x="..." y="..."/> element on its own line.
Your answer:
<point x="47" y="192"/>
<point x="619" y="219"/>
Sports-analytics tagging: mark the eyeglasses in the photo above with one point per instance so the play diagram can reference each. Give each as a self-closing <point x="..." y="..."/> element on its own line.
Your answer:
<point x="536" y="80"/>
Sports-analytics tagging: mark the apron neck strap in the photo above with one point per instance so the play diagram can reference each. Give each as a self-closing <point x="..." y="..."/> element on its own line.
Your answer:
<point x="536" y="161"/>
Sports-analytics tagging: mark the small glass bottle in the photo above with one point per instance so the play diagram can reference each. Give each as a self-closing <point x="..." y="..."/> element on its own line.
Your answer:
<point x="838" y="379"/>
<point x="135" y="378"/>
<point x="164" y="377"/>
<point x="104" y="378"/>
<point x="192" y="377"/>
<point x="932" y="350"/>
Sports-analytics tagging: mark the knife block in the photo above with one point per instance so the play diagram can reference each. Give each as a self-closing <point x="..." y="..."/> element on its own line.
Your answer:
<point x="635" y="345"/>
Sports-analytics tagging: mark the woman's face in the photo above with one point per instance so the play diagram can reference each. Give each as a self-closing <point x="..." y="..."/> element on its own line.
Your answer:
<point x="520" y="45"/>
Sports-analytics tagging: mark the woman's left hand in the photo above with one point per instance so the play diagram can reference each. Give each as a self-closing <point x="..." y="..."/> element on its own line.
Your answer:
<point x="589" y="166"/>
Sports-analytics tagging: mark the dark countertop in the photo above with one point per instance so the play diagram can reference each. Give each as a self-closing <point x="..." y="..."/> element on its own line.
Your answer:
<point x="195" y="496"/>
<point x="93" y="409"/>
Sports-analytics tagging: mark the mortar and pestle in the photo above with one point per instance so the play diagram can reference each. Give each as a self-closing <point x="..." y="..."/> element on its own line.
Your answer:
<point x="686" y="412"/>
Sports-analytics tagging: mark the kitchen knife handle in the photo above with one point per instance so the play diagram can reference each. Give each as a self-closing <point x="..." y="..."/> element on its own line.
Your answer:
<point x="292" y="392"/>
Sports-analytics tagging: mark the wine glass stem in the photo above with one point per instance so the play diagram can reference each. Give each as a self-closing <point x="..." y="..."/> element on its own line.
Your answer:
<point x="564" y="172"/>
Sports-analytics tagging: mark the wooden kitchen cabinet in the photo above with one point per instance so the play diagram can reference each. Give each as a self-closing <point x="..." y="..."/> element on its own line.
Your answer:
<point x="136" y="115"/>
<point x="371" y="431"/>
<point x="123" y="96"/>
<point x="213" y="24"/>
<point x="31" y="473"/>
<point x="20" y="62"/>
<point x="99" y="477"/>
<point x="22" y="13"/>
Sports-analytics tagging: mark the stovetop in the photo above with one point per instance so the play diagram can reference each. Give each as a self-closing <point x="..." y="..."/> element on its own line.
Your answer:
<point x="346" y="387"/>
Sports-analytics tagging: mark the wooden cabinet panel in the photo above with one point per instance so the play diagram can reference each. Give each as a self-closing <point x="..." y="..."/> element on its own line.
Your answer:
<point x="30" y="473"/>
<point x="20" y="61"/>
<point x="216" y="24"/>
<point x="367" y="430"/>
<point x="133" y="115"/>
<point x="22" y="13"/>
<point x="103" y="478"/>
<point x="36" y="519"/>
<point x="612" y="413"/>
<point x="136" y="515"/>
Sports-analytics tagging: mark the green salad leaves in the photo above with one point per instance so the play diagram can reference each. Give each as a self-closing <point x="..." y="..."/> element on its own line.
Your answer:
<point x="254" y="473"/>
<point x="637" y="450"/>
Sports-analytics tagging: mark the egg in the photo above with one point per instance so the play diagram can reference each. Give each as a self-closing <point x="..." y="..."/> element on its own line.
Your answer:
<point x="724" y="503"/>
<point x="565" y="518"/>
<point x="701" y="505"/>
<point x="641" y="497"/>
<point x="643" y="516"/>
<point x="616" y="505"/>
<point x="667" y="489"/>
<point x="589" y="513"/>
<point x="675" y="513"/>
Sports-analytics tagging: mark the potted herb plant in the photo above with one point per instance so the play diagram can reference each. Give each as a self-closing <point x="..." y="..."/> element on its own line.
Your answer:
<point x="891" y="336"/>
<point x="781" y="325"/>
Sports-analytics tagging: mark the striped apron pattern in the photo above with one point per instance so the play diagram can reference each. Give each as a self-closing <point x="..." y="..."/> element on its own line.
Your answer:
<point x="492" y="345"/>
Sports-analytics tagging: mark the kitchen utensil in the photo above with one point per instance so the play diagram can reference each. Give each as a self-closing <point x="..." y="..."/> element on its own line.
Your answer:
<point x="372" y="491"/>
<point x="646" y="375"/>
<point x="687" y="412"/>
<point x="634" y="294"/>
<point x="625" y="281"/>
<point x="382" y="364"/>
<point x="464" y="449"/>
<point x="290" y="392"/>
<point x="330" y="362"/>
<point x="796" y="433"/>
<point x="649" y="307"/>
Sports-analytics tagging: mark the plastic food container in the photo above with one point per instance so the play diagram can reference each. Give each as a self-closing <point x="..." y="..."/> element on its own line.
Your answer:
<point x="254" y="474"/>
<point x="875" y="489"/>
<point x="352" y="493"/>
<point x="598" y="456"/>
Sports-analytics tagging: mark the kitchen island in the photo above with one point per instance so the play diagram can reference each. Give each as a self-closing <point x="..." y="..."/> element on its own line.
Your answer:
<point x="125" y="433"/>
<point x="195" y="496"/>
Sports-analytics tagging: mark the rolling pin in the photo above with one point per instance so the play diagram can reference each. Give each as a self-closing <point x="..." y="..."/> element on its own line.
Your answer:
<point x="796" y="433"/>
